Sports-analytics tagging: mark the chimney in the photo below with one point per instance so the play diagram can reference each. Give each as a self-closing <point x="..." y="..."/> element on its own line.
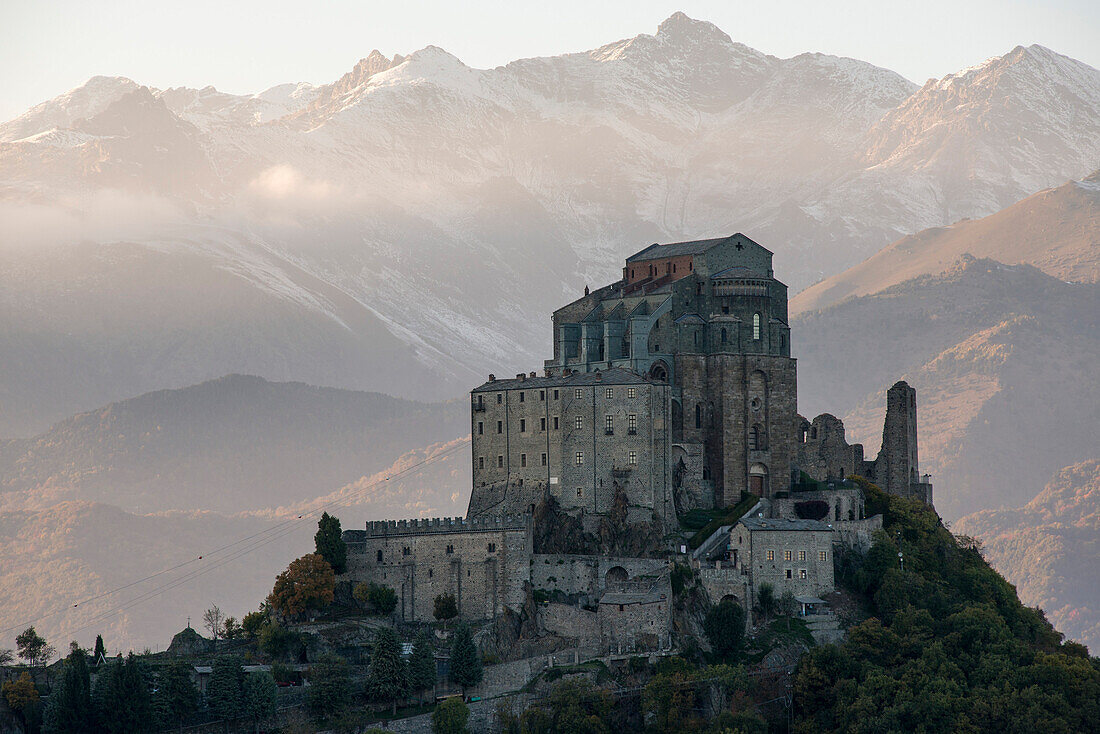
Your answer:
<point x="521" y="377"/>
<point x="492" y="377"/>
<point x="532" y="374"/>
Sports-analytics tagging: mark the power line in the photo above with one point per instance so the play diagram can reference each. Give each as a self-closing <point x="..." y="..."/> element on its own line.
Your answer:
<point x="273" y="533"/>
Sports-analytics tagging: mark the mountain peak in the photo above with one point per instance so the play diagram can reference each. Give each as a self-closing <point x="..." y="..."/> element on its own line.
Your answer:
<point x="679" y="27"/>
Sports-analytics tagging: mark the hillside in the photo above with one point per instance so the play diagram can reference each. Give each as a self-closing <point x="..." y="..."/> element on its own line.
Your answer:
<point x="230" y="445"/>
<point x="1001" y="357"/>
<point x="1048" y="546"/>
<point x="1056" y="230"/>
<point x="401" y="228"/>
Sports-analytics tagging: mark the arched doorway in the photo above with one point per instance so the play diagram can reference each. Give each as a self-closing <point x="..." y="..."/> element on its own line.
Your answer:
<point x="659" y="372"/>
<point x="758" y="479"/>
<point x="616" y="575"/>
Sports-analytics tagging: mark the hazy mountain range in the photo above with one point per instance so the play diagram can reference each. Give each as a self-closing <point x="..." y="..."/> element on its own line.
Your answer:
<point x="407" y="227"/>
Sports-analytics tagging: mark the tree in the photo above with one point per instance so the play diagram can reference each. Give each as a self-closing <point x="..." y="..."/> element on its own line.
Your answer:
<point x="230" y="629"/>
<point x="277" y="641"/>
<point x="259" y="698"/>
<point x="307" y="583"/>
<point x="121" y="698"/>
<point x="330" y="687"/>
<point x="330" y="545"/>
<point x="212" y="620"/>
<point x="33" y="648"/>
<point x="465" y="660"/>
<point x="179" y="697"/>
<point x="252" y="623"/>
<point x="765" y="600"/>
<point x="100" y="652"/>
<point x="69" y="708"/>
<point x="573" y="707"/>
<point x="787" y="606"/>
<point x="225" y="689"/>
<point x="445" y="607"/>
<point x="6" y="656"/>
<point x="724" y="626"/>
<point x="388" y="676"/>
<point x="422" y="672"/>
<point x="21" y="695"/>
<point x="670" y="699"/>
<point x="450" y="717"/>
<point x="380" y="599"/>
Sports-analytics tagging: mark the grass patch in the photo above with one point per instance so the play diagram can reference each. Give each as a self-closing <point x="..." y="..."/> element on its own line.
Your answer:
<point x="728" y="517"/>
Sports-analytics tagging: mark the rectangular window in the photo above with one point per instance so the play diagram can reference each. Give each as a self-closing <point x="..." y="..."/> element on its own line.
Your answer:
<point x="801" y="555"/>
<point x="771" y="555"/>
<point x="500" y="426"/>
<point x="786" y="555"/>
<point x="500" y="461"/>
<point x="521" y="396"/>
<point x="542" y="424"/>
<point x="801" y="573"/>
<point x="631" y="392"/>
<point x="577" y="393"/>
<point x="789" y="574"/>
<point x="579" y="458"/>
<point x="610" y="393"/>
<point x="480" y="428"/>
<point x="632" y="458"/>
<point x="542" y="396"/>
<point x="500" y="397"/>
<point x="544" y="459"/>
<point x="609" y="424"/>
<point x="555" y="423"/>
<point x="523" y="425"/>
<point x="580" y="494"/>
<point x="822" y="555"/>
<point x="481" y="462"/>
<point x="523" y="460"/>
<point x="632" y="424"/>
<point x="578" y="422"/>
<point x="555" y="395"/>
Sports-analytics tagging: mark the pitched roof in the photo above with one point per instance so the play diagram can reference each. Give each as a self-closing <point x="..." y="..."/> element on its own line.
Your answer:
<point x="783" y="523"/>
<point x="613" y="376"/>
<point x="657" y="251"/>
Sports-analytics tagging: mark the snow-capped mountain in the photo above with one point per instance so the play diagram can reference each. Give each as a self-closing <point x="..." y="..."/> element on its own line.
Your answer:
<point x="442" y="211"/>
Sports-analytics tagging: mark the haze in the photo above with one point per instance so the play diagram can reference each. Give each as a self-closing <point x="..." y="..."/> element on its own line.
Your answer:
<point x="245" y="47"/>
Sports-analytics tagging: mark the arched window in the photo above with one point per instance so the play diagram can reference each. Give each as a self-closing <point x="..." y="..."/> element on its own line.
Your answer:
<point x="379" y="555"/>
<point x="698" y="415"/>
<point x="723" y="336"/>
<point x="756" y="326"/>
<point x="754" y="438"/>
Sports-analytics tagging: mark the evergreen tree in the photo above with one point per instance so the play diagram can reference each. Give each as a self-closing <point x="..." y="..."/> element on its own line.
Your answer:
<point x="179" y="697"/>
<point x="224" y="692"/>
<point x="388" y="677"/>
<point x="445" y="607"/>
<point x="450" y="717"/>
<point x="259" y="698"/>
<point x="330" y="687"/>
<point x="422" y="673"/>
<point x="465" y="660"/>
<point x="69" y="708"/>
<point x="121" y="699"/>
<point x="100" y="650"/>
<point x="724" y="626"/>
<point x="330" y="545"/>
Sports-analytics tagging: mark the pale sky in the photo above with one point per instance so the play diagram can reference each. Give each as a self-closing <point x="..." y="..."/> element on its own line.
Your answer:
<point x="244" y="46"/>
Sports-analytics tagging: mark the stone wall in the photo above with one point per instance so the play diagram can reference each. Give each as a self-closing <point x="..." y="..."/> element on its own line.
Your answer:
<point x="588" y="575"/>
<point x="858" y="534"/>
<point x="573" y="622"/>
<point x="484" y="564"/>
<point x="799" y="561"/>
<point x="845" y="503"/>
<point x="822" y="450"/>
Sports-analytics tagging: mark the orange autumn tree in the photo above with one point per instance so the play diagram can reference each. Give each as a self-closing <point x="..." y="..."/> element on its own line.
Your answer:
<point x="307" y="583"/>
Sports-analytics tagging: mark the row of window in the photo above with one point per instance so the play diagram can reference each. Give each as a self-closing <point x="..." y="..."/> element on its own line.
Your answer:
<point x="578" y="460"/>
<point x="789" y="555"/>
<point x="631" y="392"/>
<point x="578" y="423"/>
<point x="491" y="548"/>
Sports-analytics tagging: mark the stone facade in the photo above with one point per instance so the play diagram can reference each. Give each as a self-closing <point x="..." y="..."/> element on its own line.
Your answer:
<point x="589" y="575"/>
<point x="791" y="555"/>
<point x="637" y="616"/>
<point x="483" y="563"/>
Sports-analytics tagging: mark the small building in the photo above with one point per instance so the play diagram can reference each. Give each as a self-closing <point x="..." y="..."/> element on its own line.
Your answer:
<point x="637" y="616"/>
<point x="793" y="555"/>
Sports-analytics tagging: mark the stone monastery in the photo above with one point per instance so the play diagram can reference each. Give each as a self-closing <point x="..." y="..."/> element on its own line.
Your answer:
<point x="670" y="391"/>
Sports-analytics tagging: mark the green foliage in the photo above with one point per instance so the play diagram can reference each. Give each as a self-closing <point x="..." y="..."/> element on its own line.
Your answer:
<point x="681" y="578"/>
<point x="733" y="515"/>
<point x="100" y="650"/>
<point x="329" y="692"/>
<point x="277" y="641"/>
<point x="259" y="697"/>
<point x="21" y="692"/>
<point x="388" y="676"/>
<point x="33" y="648"/>
<point x="951" y="647"/>
<point x="466" y="668"/>
<point x="445" y="607"/>
<point x="69" y="708"/>
<point x="252" y="623"/>
<point x="422" y="672"/>
<point x="121" y="698"/>
<point x="450" y="717"/>
<point x="225" y="690"/>
<point x="724" y="627"/>
<point x="766" y="602"/>
<point x="379" y="599"/>
<point x="330" y="545"/>
<point x="179" y="699"/>
<point x="572" y="706"/>
<point x="669" y="702"/>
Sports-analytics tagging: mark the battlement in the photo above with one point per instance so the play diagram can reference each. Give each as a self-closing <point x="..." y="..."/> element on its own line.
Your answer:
<point x="421" y="526"/>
